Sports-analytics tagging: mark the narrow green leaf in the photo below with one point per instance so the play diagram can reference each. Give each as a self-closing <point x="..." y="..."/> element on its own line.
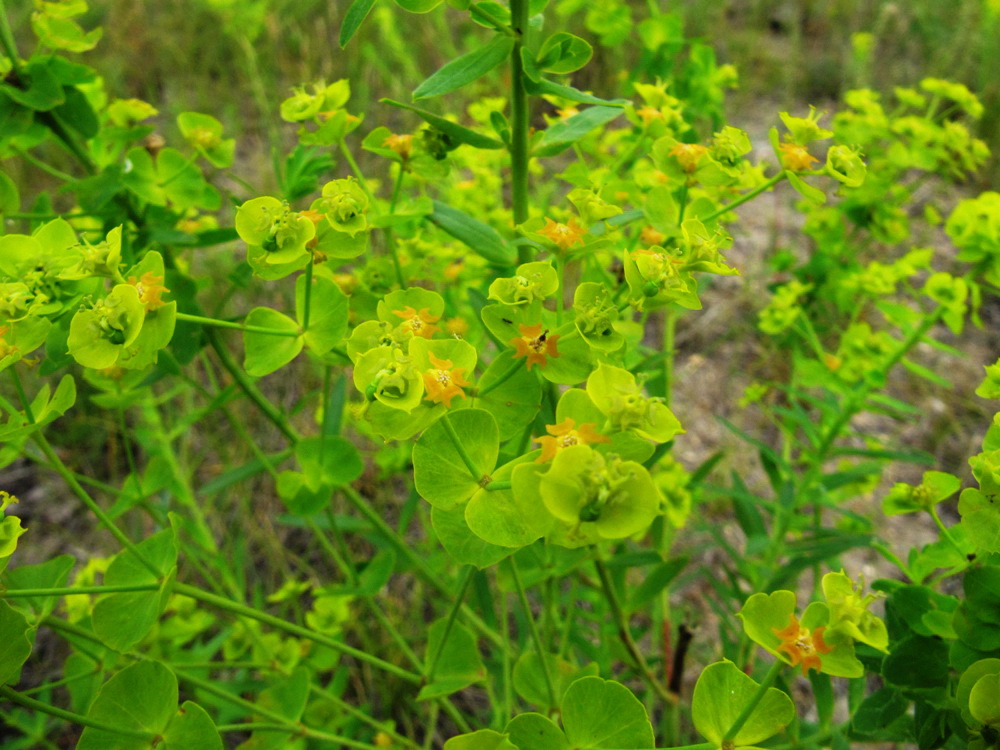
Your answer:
<point x="564" y="134"/>
<point x="545" y="86"/>
<point x="353" y="19"/>
<point x="453" y="130"/>
<point x="466" y="69"/>
<point x="483" y="239"/>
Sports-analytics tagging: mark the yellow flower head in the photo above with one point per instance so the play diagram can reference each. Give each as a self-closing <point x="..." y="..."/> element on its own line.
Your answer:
<point x="536" y="345"/>
<point x="444" y="381"/>
<point x="400" y="144"/>
<point x="566" y="434"/>
<point x="567" y="112"/>
<point x="796" y="157"/>
<point x="563" y="236"/>
<point x="150" y="290"/>
<point x="648" y="114"/>
<point x="456" y="326"/>
<point x="802" y="646"/>
<point x="5" y="349"/>
<point x="688" y="155"/>
<point x="650" y="236"/>
<point x="418" y="323"/>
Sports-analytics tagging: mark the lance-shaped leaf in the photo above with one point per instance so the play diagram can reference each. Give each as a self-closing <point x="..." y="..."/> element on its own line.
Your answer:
<point x="456" y="132"/>
<point x="481" y="238"/>
<point x="467" y="68"/>
<point x="565" y="133"/>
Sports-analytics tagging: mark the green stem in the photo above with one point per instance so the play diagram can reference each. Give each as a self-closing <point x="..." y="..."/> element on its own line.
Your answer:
<point x="91" y="504"/>
<point x="536" y="637"/>
<point x="25" y="403"/>
<point x="216" y="323"/>
<point x="625" y="633"/>
<point x="944" y="530"/>
<point x="250" y="389"/>
<point x="7" y="41"/>
<point x="60" y="683"/>
<point x="755" y="699"/>
<point x="449" y="623"/>
<point x="228" y="605"/>
<point x="48" y="169"/>
<point x="669" y="330"/>
<point x="281" y="723"/>
<point x="498" y="484"/>
<point x="390" y="238"/>
<point x="361" y="716"/>
<point x="744" y="198"/>
<point x="519" y="123"/>
<point x="79" y="590"/>
<point x="477" y="475"/>
<point x="85" y="721"/>
<point x="308" y="295"/>
<point x="419" y="564"/>
<point x="355" y="168"/>
<point x="515" y="367"/>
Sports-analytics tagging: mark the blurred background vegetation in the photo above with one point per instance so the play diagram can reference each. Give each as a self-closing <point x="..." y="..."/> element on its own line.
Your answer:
<point x="237" y="59"/>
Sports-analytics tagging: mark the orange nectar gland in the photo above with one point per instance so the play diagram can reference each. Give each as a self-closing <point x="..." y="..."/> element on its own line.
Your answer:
<point x="418" y="323"/>
<point x="536" y="345"/>
<point x="688" y="155"/>
<point x="567" y="434"/>
<point x="402" y="145"/>
<point x="150" y="289"/>
<point x="456" y="327"/>
<point x="648" y="114"/>
<point x="567" y="112"/>
<point x="796" y="157"/>
<point x="650" y="236"/>
<point x="5" y="348"/>
<point x="444" y="381"/>
<point x="802" y="646"/>
<point x="563" y="236"/>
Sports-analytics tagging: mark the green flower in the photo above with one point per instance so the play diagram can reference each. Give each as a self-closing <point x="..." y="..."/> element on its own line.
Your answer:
<point x="598" y="497"/>
<point x="270" y="224"/>
<point x="99" y="335"/>
<point x="531" y="282"/>
<point x="343" y="204"/>
<point x="619" y="397"/>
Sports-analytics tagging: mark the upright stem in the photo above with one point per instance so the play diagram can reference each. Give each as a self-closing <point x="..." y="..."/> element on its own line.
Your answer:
<point x="519" y="123"/>
<point x="536" y="637"/>
<point x="626" y="635"/>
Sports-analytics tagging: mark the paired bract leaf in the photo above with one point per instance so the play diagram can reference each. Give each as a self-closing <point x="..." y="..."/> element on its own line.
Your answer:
<point x="439" y="472"/>
<point x="142" y="700"/>
<point x="598" y="713"/>
<point x="264" y="353"/>
<point x="720" y="696"/>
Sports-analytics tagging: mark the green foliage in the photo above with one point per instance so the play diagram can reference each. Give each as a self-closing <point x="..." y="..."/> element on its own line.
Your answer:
<point x="478" y="305"/>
